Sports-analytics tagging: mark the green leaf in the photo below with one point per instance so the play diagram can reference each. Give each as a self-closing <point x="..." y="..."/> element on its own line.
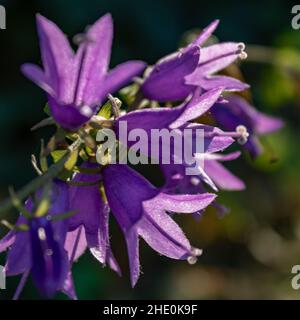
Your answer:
<point x="58" y="154"/>
<point x="105" y="111"/>
<point x="70" y="164"/>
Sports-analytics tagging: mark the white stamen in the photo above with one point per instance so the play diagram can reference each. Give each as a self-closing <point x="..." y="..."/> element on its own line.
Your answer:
<point x="197" y="252"/>
<point x="241" y="46"/>
<point x="192" y="259"/>
<point x="242" y="130"/>
<point x="241" y="51"/>
<point x="243" y="55"/>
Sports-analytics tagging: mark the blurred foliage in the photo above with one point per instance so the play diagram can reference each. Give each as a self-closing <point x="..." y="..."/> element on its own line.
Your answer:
<point x="250" y="252"/>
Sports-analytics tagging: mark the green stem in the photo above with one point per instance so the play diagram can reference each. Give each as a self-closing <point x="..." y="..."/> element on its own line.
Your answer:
<point x="39" y="181"/>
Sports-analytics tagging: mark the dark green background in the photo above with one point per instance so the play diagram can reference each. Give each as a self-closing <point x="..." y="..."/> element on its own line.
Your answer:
<point x="250" y="252"/>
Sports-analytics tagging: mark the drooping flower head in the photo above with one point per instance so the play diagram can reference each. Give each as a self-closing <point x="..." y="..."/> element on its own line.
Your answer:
<point x="76" y="84"/>
<point x="237" y="111"/>
<point x="146" y="215"/>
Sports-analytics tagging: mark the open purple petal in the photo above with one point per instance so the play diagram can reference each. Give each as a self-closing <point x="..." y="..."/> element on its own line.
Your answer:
<point x="184" y="203"/>
<point x="132" y="241"/>
<point x="197" y="106"/>
<point x="7" y="241"/>
<point x="57" y="57"/>
<point x="90" y="211"/>
<point x="75" y="244"/>
<point x="222" y="177"/>
<point x="208" y="83"/>
<point x="96" y="51"/>
<point x="120" y="76"/>
<point x="216" y="57"/>
<point x="37" y="75"/>
<point x="206" y="33"/>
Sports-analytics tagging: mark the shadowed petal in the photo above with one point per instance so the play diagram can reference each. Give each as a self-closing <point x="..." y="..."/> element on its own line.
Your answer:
<point x="19" y="256"/>
<point x="7" y="241"/>
<point x="91" y="212"/>
<point x="50" y="264"/>
<point x="211" y="144"/>
<point x="68" y="116"/>
<point x="69" y="288"/>
<point x="267" y="124"/>
<point x="166" y="81"/>
<point x="122" y="182"/>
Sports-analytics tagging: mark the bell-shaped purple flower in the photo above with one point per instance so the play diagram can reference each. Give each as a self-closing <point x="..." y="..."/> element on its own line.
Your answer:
<point x="214" y="140"/>
<point x="40" y="250"/>
<point x="143" y="211"/>
<point x="76" y="84"/>
<point x="237" y="111"/>
<point x="89" y="226"/>
<point x="177" y="75"/>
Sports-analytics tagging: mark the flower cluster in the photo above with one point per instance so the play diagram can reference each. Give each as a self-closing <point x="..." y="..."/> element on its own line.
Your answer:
<point x="69" y="213"/>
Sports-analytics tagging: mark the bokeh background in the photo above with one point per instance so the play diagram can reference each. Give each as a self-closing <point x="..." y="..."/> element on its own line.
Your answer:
<point x="250" y="252"/>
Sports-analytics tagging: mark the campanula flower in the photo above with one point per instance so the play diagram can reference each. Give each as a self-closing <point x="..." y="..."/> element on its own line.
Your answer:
<point x="177" y="75"/>
<point x="237" y="111"/>
<point x="88" y="227"/>
<point x="76" y="84"/>
<point x="40" y="249"/>
<point x="146" y="215"/>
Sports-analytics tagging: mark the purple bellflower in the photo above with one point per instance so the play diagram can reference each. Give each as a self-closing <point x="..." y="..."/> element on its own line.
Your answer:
<point x="146" y="215"/>
<point x="177" y="75"/>
<point x="76" y="84"/>
<point x="214" y="140"/>
<point x="88" y="227"/>
<point x="40" y="250"/>
<point x="237" y="111"/>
